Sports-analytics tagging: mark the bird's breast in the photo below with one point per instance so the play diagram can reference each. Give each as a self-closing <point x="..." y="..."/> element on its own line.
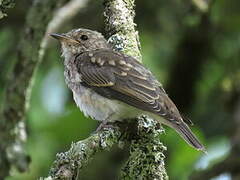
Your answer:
<point x="94" y="105"/>
<point x="101" y="108"/>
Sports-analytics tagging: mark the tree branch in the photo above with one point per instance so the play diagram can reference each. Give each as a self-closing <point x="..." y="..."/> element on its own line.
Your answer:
<point x="146" y="155"/>
<point x="146" y="159"/>
<point x="18" y="87"/>
<point x="119" y="24"/>
<point x="68" y="163"/>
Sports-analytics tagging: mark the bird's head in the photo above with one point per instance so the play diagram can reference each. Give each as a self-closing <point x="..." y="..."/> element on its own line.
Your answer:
<point x="77" y="41"/>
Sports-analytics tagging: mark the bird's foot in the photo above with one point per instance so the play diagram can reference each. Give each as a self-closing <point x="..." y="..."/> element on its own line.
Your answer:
<point x="104" y="125"/>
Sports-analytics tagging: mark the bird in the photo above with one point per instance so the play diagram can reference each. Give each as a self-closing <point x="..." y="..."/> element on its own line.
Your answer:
<point x="110" y="86"/>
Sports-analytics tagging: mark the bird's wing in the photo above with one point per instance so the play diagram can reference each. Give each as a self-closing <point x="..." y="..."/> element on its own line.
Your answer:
<point x="117" y="76"/>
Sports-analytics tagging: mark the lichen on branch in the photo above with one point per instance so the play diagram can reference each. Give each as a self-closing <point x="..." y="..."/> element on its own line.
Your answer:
<point x="68" y="163"/>
<point x="119" y="24"/>
<point x="146" y="159"/>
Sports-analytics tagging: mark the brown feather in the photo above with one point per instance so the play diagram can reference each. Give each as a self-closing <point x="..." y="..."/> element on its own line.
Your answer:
<point x="121" y="77"/>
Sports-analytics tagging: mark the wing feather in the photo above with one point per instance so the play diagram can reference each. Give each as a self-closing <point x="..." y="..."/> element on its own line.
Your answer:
<point x="121" y="77"/>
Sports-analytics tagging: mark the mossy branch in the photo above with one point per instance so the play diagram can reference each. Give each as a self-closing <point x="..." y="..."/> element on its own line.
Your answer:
<point x="146" y="159"/>
<point x="146" y="151"/>
<point x="68" y="163"/>
<point x="119" y="24"/>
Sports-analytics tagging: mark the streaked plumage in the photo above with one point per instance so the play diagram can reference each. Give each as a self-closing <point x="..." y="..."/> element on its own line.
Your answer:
<point x="111" y="86"/>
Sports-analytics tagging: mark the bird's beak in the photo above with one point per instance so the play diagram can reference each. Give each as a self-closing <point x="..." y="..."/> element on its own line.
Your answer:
<point x="63" y="37"/>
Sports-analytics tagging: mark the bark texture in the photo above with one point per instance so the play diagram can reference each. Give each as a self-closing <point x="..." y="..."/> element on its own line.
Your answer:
<point x="146" y="159"/>
<point x="68" y="163"/>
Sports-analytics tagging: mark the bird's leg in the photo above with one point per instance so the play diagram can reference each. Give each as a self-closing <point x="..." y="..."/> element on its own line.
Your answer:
<point x="105" y="123"/>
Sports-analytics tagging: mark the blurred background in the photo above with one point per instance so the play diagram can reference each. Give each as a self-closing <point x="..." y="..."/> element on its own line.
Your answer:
<point x="195" y="55"/>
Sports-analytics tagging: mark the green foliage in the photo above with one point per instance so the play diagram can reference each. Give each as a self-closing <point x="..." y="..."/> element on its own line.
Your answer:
<point x="146" y="159"/>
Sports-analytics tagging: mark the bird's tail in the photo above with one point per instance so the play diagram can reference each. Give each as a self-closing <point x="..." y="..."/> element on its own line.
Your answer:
<point x="185" y="132"/>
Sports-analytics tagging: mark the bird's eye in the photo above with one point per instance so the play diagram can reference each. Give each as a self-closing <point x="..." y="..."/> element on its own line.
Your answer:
<point x="84" y="37"/>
